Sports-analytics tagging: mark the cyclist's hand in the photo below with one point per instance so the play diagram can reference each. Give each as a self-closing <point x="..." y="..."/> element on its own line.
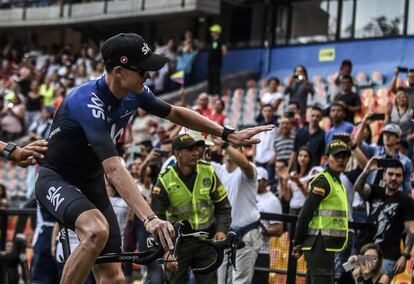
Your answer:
<point x="219" y="236"/>
<point x="30" y="154"/>
<point x="162" y="231"/>
<point x="171" y="264"/>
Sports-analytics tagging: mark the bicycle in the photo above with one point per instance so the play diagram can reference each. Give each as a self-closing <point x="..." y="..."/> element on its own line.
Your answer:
<point x="155" y="251"/>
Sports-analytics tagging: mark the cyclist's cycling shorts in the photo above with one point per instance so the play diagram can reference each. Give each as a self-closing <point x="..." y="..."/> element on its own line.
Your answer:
<point x="66" y="200"/>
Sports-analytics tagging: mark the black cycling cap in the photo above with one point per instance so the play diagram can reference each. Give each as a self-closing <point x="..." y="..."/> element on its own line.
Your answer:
<point x="130" y="51"/>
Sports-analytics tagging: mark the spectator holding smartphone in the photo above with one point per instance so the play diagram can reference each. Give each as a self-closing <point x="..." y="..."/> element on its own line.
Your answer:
<point x="392" y="213"/>
<point x="299" y="88"/>
<point x="401" y="114"/>
<point x="369" y="271"/>
<point x="408" y="86"/>
<point x="392" y="135"/>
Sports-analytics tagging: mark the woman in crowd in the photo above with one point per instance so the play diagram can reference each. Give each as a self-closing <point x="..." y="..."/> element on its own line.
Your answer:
<point x="294" y="186"/>
<point x="369" y="271"/>
<point x="401" y="113"/>
<point x="299" y="88"/>
<point x="12" y="119"/>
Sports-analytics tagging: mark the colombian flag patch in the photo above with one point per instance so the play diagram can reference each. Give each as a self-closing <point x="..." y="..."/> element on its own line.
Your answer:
<point x="318" y="191"/>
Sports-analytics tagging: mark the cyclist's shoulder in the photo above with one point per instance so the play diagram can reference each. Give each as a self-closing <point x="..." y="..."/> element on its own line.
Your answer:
<point x="82" y="93"/>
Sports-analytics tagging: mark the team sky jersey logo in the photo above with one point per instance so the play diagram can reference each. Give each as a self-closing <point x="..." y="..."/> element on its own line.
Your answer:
<point x="97" y="107"/>
<point x="53" y="196"/>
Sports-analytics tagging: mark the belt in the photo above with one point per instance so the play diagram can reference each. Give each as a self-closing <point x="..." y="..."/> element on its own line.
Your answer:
<point x="241" y="231"/>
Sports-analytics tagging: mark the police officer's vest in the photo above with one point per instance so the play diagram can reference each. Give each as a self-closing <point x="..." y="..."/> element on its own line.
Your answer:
<point x="197" y="206"/>
<point x="330" y="220"/>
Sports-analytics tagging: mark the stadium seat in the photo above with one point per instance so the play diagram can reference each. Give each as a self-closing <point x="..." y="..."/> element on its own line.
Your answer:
<point x="377" y="78"/>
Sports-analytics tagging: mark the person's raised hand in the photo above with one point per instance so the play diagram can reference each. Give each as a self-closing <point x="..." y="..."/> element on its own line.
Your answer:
<point x="162" y="231"/>
<point x="30" y="154"/>
<point x="372" y="164"/>
<point x="245" y="137"/>
<point x="399" y="266"/>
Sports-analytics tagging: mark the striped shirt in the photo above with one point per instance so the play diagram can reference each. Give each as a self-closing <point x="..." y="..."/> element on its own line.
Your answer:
<point x="284" y="146"/>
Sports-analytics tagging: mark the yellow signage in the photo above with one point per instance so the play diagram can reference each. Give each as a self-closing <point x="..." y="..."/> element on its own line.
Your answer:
<point x="326" y="54"/>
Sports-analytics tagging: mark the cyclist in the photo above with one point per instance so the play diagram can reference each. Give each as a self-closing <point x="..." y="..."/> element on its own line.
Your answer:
<point x="88" y="123"/>
<point x="191" y="191"/>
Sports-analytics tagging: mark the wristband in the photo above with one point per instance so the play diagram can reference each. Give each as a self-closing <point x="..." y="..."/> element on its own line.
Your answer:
<point x="353" y="146"/>
<point x="226" y="132"/>
<point x="149" y="219"/>
<point x="10" y="147"/>
<point x="406" y="255"/>
<point x="225" y="145"/>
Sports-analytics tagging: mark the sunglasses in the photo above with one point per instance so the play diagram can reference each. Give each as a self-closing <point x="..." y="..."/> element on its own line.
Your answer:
<point x="143" y="73"/>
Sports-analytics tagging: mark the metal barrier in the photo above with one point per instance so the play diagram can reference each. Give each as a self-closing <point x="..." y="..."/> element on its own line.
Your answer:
<point x="4" y="217"/>
<point x="292" y="262"/>
<point x="290" y="271"/>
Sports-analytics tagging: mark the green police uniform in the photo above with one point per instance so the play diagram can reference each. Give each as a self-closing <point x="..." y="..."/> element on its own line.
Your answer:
<point x="322" y="227"/>
<point x="199" y="198"/>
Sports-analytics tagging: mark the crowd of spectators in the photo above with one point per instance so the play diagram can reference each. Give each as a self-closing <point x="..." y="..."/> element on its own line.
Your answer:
<point x="33" y="84"/>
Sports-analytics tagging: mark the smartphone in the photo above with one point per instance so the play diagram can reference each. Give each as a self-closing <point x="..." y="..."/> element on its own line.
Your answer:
<point x="402" y="69"/>
<point x="362" y="259"/>
<point x="134" y="149"/>
<point x="388" y="163"/>
<point x="164" y="154"/>
<point x="345" y="137"/>
<point x="377" y="116"/>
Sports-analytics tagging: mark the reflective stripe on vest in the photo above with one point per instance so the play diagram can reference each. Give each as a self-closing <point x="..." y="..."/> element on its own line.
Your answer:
<point x="196" y="206"/>
<point x="331" y="218"/>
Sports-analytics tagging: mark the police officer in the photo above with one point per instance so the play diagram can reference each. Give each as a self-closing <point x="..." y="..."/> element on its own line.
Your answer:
<point x="191" y="191"/>
<point x="322" y="227"/>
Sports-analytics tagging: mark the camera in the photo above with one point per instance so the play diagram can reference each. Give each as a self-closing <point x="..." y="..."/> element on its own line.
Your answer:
<point x="299" y="77"/>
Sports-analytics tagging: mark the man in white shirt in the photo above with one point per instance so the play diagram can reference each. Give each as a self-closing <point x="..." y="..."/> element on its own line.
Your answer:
<point x="239" y="177"/>
<point x="267" y="202"/>
<point x="264" y="152"/>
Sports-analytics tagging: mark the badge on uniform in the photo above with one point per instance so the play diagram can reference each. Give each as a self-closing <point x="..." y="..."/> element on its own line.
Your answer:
<point x="319" y="191"/>
<point x="206" y="182"/>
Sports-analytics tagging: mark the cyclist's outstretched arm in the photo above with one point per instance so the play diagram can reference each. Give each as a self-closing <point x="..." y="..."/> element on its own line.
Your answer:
<point x="122" y="180"/>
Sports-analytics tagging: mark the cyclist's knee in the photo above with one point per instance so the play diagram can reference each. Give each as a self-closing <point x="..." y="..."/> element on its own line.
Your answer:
<point x="109" y="273"/>
<point x="93" y="229"/>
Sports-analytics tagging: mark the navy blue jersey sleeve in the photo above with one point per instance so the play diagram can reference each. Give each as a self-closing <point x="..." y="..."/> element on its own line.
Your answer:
<point x="154" y="105"/>
<point x="88" y="111"/>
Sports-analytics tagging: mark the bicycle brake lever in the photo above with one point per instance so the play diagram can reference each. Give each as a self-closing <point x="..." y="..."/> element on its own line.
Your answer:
<point x="151" y="242"/>
<point x="200" y="234"/>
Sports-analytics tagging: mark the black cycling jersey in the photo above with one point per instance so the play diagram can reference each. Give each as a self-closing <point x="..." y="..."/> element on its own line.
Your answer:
<point x="87" y="125"/>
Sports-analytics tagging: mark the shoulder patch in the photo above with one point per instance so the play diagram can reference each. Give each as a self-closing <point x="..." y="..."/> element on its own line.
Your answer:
<point x="156" y="190"/>
<point x="319" y="191"/>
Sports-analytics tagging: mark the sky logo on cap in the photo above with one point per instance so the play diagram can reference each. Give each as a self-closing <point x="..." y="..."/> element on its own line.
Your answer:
<point x="123" y="59"/>
<point x="145" y="48"/>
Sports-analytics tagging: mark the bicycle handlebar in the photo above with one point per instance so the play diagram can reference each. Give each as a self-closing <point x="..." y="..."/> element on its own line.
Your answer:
<point x="156" y="251"/>
<point x="153" y="253"/>
<point x="232" y="242"/>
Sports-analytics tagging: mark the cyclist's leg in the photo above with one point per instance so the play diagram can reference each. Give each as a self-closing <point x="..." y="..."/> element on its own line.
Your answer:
<point x="109" y="272"/>
<point x="72" y="209"/>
